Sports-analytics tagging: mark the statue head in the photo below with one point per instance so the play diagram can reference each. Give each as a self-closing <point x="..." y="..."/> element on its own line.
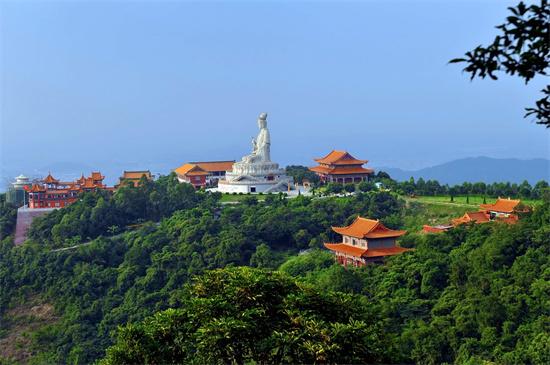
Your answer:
<point x="262" y="120"/>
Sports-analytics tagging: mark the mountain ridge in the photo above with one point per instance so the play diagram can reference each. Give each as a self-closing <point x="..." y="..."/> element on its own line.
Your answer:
<point x="478" y="169"/>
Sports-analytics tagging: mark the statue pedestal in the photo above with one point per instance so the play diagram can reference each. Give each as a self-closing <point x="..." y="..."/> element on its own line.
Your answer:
<point x="255" y="178"/>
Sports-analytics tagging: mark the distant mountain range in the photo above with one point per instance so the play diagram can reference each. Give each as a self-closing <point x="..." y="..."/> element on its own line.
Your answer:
<point x="475" y="169"/>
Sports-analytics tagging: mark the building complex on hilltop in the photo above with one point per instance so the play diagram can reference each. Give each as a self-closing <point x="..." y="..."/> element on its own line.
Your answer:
<point x="203" y="174"/>
<point x="341" y="167"/>
<point x="365" y="241"/>
<point x="503" y="210"/>
<point x="52" y="193"/>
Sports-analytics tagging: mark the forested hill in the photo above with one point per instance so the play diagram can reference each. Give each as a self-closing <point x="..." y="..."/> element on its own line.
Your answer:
<point x="168" y="264"/>
<point x="479" y="169"/>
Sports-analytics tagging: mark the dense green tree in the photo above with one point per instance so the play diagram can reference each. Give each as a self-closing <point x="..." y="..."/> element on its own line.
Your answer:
<point x="366" y="186"/>
<point x="242" y="315"/>
<point x="475" y="293"/>
<point x="8" y="216"/>
<point x="301" y="173"/>
<point x="335" y="188"/>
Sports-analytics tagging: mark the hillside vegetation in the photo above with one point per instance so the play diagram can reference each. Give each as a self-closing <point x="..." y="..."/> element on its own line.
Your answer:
<point x="474" y="293"/>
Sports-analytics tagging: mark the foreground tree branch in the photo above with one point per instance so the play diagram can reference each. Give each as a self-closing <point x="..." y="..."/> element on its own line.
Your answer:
<point x="521" y="49"/>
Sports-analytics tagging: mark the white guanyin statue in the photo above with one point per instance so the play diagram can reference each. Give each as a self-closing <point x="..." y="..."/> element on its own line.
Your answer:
<point x="256" y="173"/>
<point x="260" y="144"/>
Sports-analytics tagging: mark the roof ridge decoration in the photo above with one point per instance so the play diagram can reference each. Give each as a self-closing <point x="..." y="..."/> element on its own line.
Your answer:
<point x="50" y="179"/>
<point x="344" y="157"/>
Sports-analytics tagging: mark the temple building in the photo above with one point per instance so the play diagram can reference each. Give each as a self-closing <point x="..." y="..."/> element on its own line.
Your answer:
<point x="52" y="193"/>
<point x="476" y="217"/>
<point x="133" y="178"/>
<point x="203" y="174"/>
<point x="341" y="167"/>
<point x="256" y="173"/>
<point x="503" y="208"/>
<point x="365" y="241"/>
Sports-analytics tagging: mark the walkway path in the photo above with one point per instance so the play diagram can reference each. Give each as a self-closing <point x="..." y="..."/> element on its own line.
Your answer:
<point x="72" y="247"/>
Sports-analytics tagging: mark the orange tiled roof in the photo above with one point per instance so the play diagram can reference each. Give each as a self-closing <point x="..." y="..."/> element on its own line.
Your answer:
<point x="37" y="188"/>
<point x="502" y="205"/>
<point x="89" y="184"/>
<point x="362" y="252"/>
<point x="367" y="228"/>
<point x="136" y="174"/>
<point x="50" y="179"/>
<point x="341" y="171"/>
<point x="212" y="166"/>
<point x="185" y="168"/>
<point x="350" y="250"/>
<point x="96" y="175"/>
<point x="321" y="169"/>
<point x="340" y="158"/>
<point x="190" y="170"/>
<point x="477" y="217"/>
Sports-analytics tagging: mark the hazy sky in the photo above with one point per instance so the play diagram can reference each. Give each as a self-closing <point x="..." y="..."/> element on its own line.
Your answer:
<point x="152" y="83"/>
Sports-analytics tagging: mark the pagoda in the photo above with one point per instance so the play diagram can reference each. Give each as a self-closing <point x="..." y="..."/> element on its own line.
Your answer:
<point x="365" y="241"/>
<point x="341" y="167"/>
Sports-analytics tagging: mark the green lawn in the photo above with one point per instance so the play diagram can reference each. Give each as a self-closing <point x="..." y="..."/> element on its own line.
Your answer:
<point x="239" y="197"/>
<point x="419" y="212"/>
<point x="474" y="200"/>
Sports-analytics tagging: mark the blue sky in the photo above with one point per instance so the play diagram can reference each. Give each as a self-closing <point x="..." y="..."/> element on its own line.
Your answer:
<point x="155" y="84"/>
